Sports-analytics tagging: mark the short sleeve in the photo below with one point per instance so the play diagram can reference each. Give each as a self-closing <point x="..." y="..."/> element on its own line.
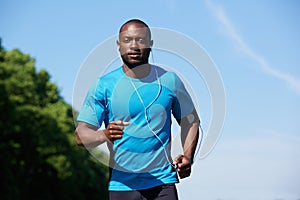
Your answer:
<point x="183" y="104"/>
<point x="93" y="108"/>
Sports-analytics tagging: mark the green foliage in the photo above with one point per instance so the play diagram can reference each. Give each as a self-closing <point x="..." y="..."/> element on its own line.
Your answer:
<point x="39" y="156"/>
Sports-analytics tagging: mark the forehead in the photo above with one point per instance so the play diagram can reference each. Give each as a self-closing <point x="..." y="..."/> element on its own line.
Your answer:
<point x="134" y="29"/>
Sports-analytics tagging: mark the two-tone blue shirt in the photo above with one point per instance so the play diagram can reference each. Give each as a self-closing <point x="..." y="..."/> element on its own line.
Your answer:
<point x="141" y="158"/>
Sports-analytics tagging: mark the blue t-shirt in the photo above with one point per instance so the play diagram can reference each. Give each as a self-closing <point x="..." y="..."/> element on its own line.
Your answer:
<point x="141" y="158"/>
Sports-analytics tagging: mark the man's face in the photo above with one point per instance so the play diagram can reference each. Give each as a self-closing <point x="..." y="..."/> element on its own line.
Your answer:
<point x="134" y="44"/>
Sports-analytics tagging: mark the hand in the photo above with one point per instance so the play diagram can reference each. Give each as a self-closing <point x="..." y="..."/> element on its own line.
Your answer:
<point x="115" y="129"/>
<point x="184" y="166"/>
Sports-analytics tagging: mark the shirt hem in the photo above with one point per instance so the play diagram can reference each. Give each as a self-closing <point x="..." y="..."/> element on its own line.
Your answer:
<point x="126" y="188"/>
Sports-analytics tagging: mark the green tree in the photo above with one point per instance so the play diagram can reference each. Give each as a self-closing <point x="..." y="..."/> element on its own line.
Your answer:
<point x="39" y="156"/>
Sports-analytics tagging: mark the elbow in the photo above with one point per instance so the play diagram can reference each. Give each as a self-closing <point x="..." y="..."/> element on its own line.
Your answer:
<point x="77" y="137"/>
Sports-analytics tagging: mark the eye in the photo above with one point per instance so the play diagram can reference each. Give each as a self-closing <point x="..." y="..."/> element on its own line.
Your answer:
<point x="140" y="40"/>
<point x="126" y="40"/>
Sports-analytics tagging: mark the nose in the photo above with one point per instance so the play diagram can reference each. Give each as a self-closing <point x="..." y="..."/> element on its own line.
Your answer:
<point x="134" y="45"/>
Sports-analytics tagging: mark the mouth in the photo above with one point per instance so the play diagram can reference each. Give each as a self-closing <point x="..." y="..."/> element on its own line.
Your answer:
<point x="134" y="54"/>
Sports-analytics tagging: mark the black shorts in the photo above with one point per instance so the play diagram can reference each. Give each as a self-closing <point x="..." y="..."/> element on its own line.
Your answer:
<point x="162" y="192"/>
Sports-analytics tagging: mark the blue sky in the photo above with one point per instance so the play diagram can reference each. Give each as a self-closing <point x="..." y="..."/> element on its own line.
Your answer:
<point x="255" y="46"/>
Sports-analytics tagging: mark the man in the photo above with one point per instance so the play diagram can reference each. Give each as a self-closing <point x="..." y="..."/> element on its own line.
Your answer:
<point x="136" y="102"/>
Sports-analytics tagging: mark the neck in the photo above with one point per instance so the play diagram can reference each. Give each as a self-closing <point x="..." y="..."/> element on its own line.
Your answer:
<point x="140" y="71"/>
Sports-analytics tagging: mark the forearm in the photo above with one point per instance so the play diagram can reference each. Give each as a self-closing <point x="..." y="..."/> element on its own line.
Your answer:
<point x="89" y="136"/>
<point x="190" y="136"/>
<point x="189" y="139"/>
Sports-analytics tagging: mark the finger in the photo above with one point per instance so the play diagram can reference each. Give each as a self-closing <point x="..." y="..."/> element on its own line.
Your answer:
<point x="182" y="167"/>
<point x="178" y="159"/>
<point x="115" y="132"/>
<point x="116" y="127"/>
<point x="115" y="137"/>
<point x="184" y="174"/>
<point x="114" y="122"/>
<point x="121" y="123"/>
<point x="125" y="123"/>
<point x="112" y="136"/>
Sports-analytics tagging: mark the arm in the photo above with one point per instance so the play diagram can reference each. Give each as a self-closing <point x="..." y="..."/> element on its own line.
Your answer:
<point x="90" y="136"/>
<point x="189" y="139"/>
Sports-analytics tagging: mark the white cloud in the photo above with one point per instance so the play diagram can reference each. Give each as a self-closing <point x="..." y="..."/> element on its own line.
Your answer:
<point x="292" y="82"/>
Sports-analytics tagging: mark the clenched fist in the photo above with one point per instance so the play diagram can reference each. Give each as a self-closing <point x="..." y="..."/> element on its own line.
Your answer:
<point x="114" y="130"/>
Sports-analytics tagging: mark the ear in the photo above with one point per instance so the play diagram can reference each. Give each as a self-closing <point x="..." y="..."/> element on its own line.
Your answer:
<point x="151" y="43"/>
<point x="118" y="43"/>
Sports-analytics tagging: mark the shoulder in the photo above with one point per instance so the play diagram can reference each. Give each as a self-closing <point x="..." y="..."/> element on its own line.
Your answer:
<point x="105" y="82"/>
<point x="165" y="73"/>
<point x="112" y="75"/>
<point x="109" y="78"/>
<point x="168" y="77"/>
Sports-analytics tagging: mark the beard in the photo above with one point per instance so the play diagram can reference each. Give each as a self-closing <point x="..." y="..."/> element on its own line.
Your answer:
<point x="132" y="63"/>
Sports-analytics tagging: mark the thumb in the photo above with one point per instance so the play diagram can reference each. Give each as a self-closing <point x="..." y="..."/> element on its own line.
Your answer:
<point x="178" y="159"/>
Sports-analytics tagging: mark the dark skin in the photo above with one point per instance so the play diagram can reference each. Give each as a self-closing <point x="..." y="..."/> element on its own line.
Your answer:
<point x="134" y="46"/>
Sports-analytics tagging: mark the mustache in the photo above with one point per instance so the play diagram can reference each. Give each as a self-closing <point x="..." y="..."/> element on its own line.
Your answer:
<point x="139" y="49"/>
<point x="136" y="51"/>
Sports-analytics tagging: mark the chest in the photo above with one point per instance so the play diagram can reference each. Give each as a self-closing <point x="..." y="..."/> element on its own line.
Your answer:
<point x="129" y="100"/>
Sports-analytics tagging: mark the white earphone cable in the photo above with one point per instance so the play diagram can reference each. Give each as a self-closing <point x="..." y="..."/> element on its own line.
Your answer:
<point x="146" y="115"/>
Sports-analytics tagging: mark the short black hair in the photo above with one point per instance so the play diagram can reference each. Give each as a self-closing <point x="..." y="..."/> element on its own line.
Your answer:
<point x="138" y="21"/>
